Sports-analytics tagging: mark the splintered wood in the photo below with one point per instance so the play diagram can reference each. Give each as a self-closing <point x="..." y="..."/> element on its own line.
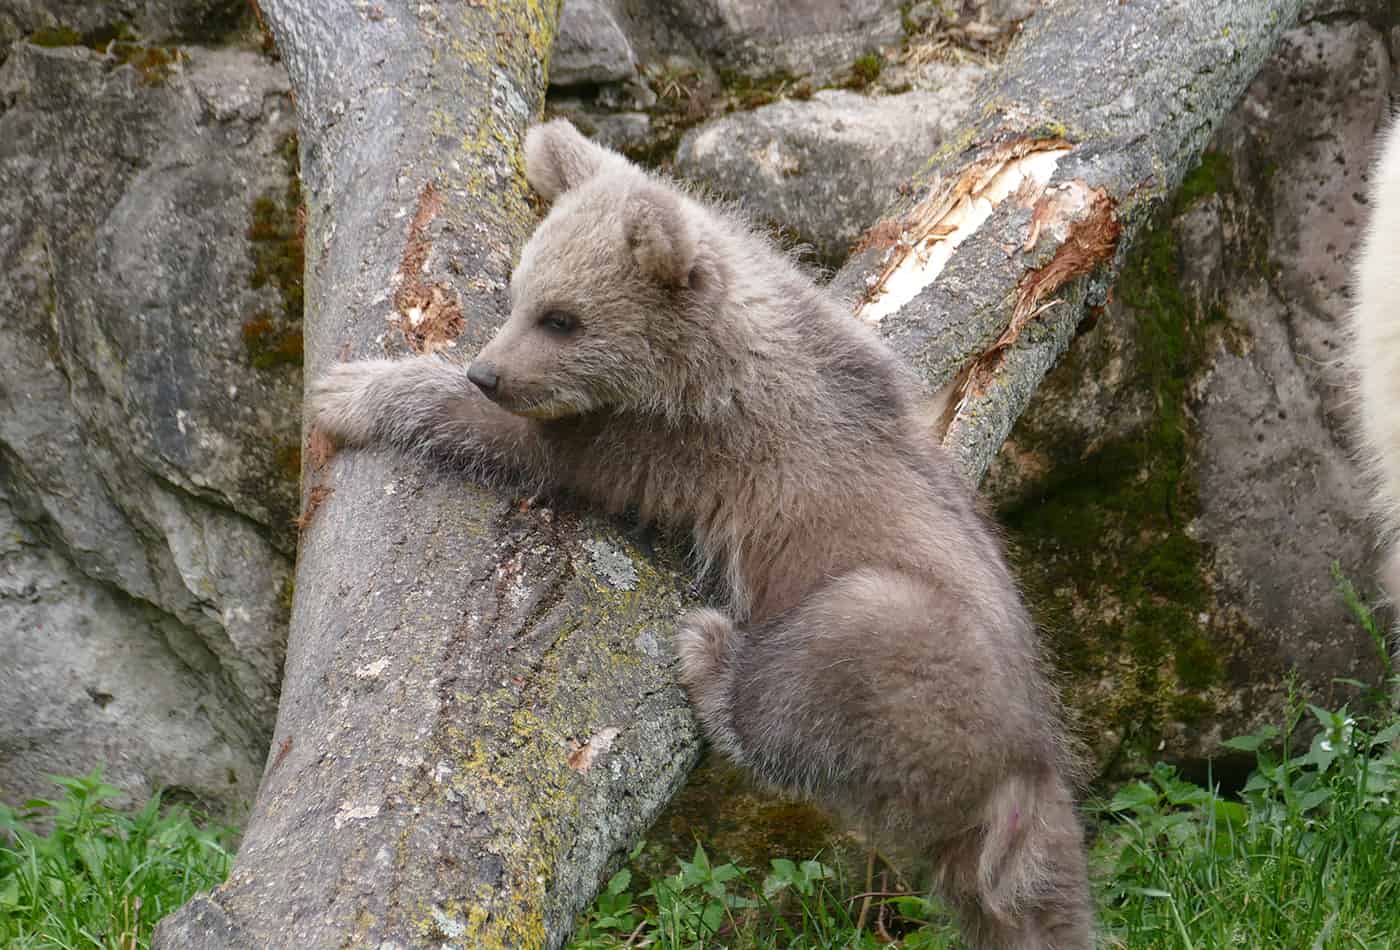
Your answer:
<point x="920" y="246"/>
<point x="1084" y="223"/>
<point x="1081" y="221"/>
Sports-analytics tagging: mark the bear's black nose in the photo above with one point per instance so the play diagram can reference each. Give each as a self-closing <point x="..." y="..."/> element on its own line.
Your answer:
<point x="484" y="375"/>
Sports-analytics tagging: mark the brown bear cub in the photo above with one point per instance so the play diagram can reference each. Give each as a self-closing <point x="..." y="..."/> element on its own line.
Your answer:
<point x="874" y="655"/>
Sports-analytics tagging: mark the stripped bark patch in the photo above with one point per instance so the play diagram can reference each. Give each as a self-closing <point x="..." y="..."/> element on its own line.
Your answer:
<point x="882" y="234"/>
<point x="428" y="315"/>
<point x="920" y="246"/>
<point x="283" y="750"/>
<point x="1084" y="222"/>
<point x="581" y="758"/>
<point x="419" y="245"/>
<point x="943" y="406"/>
<point x="314" y="500"/>
<point x="320" y="449"/>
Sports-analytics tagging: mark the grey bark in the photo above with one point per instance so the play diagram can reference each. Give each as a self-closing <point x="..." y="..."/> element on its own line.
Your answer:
<point x="478" y="711"/>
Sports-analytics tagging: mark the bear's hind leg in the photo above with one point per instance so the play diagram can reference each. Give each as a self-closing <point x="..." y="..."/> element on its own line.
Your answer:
<point x="706" y="643"/>
<point x="901" y="703"/>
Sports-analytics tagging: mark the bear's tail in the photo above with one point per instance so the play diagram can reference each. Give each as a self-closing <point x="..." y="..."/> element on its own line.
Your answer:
<point x="1019" y="881"/>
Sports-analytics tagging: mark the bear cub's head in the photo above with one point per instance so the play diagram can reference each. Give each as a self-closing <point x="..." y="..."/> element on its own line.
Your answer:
<point x="618" y="299"/>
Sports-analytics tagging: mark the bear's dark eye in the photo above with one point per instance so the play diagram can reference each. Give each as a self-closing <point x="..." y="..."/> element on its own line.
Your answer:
<point x="557" y="321"/>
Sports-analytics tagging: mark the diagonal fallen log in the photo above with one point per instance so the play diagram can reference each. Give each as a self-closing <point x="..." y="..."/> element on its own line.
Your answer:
<point x="981" y="274"/>
<point x="478" y="711"/>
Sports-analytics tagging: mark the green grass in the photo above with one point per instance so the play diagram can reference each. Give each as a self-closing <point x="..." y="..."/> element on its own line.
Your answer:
<point x="77" y="873"/>
<point x="793" y="905"/>
<point x="1306" y="856"/>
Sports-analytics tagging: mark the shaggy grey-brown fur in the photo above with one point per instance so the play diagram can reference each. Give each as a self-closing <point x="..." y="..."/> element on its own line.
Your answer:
<point x="874" y="654"/>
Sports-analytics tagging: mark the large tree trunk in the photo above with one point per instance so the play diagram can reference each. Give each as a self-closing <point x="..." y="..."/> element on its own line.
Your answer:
<point x="478" y="706"/>
<point x="478" y="710"/>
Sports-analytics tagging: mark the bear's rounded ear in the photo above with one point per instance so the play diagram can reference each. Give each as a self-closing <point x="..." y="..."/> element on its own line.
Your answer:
<point x="663" y="241"/>
<point x="558" y="157"/>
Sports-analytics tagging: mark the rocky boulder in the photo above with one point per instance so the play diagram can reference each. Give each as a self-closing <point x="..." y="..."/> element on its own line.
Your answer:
<point x="590" y="47"/>
<point x="149" y="441"/>
<point x="824" y="169"/>
<point x="93" y="21"/>
<point x="685" y="60"/>
<point x="798" y="37"/>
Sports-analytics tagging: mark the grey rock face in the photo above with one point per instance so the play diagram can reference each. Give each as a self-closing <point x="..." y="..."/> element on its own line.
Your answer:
<point x="623" y="131"/>
<point x="687" y="62"/>
<point x="95" y="677"/>
<point x="158" y="21"/>
<point x="147" y="466"/>
<point x="1279" y="491"/>
<point x="759" y="40"/>
<point x="827" y="167"/>
<point x="1182" y="484"/>
<point x="590" y="47"/>
<point x="801" y="37"/>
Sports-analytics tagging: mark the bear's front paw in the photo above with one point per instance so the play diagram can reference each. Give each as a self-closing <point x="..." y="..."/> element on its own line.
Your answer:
<point x="343" y="403"/>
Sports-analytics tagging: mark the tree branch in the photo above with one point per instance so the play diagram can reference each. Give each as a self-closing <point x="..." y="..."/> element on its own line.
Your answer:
<point x="1088" y="127"/>
<point x="478" y="710"/>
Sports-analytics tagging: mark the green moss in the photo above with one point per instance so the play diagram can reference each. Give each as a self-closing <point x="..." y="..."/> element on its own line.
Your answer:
<point x="153" y="64"/>
<point x="720" y="806"/>
<point x="289" y="593"/>
<point x="115" y="41"/>
<point x="1213" y="175"/>
<point x="270" y="344"/>
<point x="276" y="245"/>
<point x="1103" y="537"/>
<point x="1190" y="709"/>
<point x="907" y="24"/>
<point x="865" y="70"/>
<point x="747" y="92"/>
<point x="99" y="39"/>
<point x="55" y="36"/>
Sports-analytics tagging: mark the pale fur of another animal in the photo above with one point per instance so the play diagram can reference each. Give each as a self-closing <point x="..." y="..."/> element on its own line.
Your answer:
<point x="1375" y="356"/>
